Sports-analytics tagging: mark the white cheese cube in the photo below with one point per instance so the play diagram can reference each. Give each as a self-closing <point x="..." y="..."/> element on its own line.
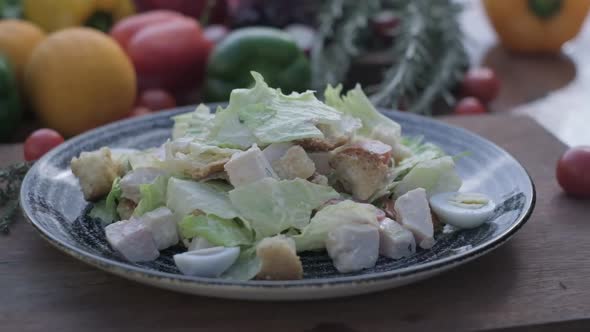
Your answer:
<point x="353" y="246"/>
<point x="413" y="212"/>
<point x="395" y="241"/>
<point x="163" y="227"/>
<point x="248" y="166"/>
<point x="133" y="240"/>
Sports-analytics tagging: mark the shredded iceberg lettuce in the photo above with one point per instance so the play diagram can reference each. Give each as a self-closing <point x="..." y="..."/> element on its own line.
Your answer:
<point x="218" y="231"/>
<point x="435" y="176"/>
<point x="195" y="124"/>
<point x="313" y="236"/>
<point x="185" y="197"/>
<point x="106" y="210"/>
<point x="272" y="206"/>
<point x="263" y="115"/>
<point x="153" y="196"/>
<point x="246" y="267"/>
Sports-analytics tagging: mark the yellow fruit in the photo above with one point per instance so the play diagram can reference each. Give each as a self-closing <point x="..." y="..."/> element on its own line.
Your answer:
<point x="17" y="41"/>
<point x="78" y="79"/>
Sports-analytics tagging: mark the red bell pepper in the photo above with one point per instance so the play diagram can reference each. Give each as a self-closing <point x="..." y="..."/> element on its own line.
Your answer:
<point x="168" y="49"/>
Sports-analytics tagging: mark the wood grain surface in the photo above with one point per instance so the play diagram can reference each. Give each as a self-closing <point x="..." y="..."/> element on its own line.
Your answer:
<point x="538" y="281"/>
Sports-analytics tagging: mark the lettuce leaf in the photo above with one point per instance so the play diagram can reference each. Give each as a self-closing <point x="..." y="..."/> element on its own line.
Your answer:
<point x="153" y="196"/>
<point x="435" y="176"/>
<point x="195" y="124"/>
<point x="420" y="152"/>
<point x="218" y="231"/>
<point x="263" y="115"/>
<point x="272" y="206"/>
<point x="246" y="266"/>
<point x="314" y="235"/>
<point x="356" y="104"/>
<point x="184" y="157"/>
<point x="184" y="197"/>
<point x="106" y="210"/>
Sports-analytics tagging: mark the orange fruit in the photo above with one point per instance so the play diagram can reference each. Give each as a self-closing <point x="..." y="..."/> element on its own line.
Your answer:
<point x="17" y="41"/>
<point x="78" y="79"/>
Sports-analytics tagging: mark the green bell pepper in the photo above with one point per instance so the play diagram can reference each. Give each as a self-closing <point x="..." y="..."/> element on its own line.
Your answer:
<point x="269" y="51"/>
<point x="10" y="105"/>
<point x="11" y="9"/>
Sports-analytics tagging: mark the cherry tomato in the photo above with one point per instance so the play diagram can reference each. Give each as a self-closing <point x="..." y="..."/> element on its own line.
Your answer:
<point x="573" y="171"/>
<point x="481" y="83"/>
<point x="40" y="142"/>
<point x="156" y="100"/>
<point x="469" y="106"/>
<point x="139" y="111"/>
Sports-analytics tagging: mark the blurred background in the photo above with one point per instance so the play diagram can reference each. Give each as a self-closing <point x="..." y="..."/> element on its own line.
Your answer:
<point x="72" y="65"/>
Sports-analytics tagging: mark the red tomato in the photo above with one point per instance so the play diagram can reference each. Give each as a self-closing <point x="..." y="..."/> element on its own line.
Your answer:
<point x="481" y="83"/>
<point x="168" y="50"/>
<point x="156" y="100"/>
<point x="139" y="111"/>
<point x="123" y="31"/>
<point x="40" y="142"/>
<point x="469" y="106"/>
<point x="573" y="171"/>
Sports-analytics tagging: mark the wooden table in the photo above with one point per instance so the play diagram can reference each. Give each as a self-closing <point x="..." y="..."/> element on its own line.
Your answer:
<point x="538" y="281"/>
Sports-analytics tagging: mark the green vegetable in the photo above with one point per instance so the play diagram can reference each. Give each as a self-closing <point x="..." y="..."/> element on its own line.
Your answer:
<point x="272" y="206"/>
<point x="186" y="158"/>
<point x="11" y="9"/>
<point x="185" y="197"/>
<point x="264" y="115"/>
<point x="246" y="267"/>
<point x="218" y="231"/>
<point x="106" y="210"/>
<point x="435" y="176"/>
<point x="269" y="51"/>
<point x="356" y="104"/>
<point x="195" y="124"/>
<point x="10" y="105"/>
<point x="420" y="152"/>
<point x="314" y="235"/>
<point x="153" y="196"/>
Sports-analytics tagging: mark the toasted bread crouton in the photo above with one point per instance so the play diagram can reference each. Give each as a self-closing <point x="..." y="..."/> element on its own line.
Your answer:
<point x="279" y="259"/>
<point x="362" y="167"/>
<point x="329" y="142"/>
<point x="294" y="164"/>
<point x="96" y="172"/>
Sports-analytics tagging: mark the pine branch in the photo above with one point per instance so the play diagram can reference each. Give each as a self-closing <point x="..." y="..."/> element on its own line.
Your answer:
<point x="10" y="182"/>
<point x="339" y="39"/>
<point x="402" y="79"/>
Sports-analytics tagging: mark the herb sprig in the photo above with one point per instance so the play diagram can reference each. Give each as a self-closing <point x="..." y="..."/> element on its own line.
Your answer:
<point x="11" y="178"/>
<point x="428" y="56"/>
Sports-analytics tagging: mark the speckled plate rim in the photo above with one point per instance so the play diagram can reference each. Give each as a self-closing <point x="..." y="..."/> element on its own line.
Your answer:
<point x="122" y="269"/>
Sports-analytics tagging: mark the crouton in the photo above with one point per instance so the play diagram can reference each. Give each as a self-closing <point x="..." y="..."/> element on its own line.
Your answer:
<point x="96" y="172"/>
<point x="294" y="164"/>
<point x="329" y="142"/>
<point x="279" y="259"/>
<point x="362" y="167"/>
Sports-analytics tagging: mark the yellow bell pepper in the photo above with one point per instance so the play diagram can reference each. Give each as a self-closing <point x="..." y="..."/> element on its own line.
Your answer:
<point x="536" y="26"/>
<point x="53" y="15"/>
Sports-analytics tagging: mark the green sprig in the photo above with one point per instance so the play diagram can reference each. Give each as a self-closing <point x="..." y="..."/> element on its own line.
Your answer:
<point x="11" y="179"/>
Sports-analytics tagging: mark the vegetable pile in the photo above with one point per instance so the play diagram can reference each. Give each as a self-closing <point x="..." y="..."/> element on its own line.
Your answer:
<point x="271" y="175"/>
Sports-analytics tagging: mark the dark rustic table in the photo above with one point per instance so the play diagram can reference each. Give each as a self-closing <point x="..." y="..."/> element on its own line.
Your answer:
<point x="538" y="281"/>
